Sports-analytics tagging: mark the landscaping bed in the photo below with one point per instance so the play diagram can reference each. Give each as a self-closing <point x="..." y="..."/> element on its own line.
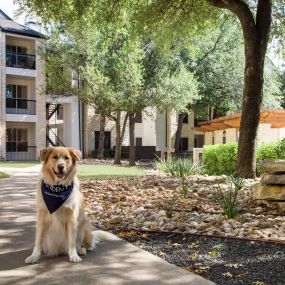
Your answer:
<point x="154" y="202"/>
<point x="221" y="260"/>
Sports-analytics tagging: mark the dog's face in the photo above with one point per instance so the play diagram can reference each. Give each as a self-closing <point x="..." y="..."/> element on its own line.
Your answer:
<point x="59" y="161"/>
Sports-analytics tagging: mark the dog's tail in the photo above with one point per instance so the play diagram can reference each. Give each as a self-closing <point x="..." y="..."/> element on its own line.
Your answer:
<point x="99" y="236"/>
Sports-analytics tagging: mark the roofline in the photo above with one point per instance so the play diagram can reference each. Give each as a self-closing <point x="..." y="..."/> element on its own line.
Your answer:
<point x="39" y="36"/>
<point x="237" y="115"/>
<point x="6" y="15"/>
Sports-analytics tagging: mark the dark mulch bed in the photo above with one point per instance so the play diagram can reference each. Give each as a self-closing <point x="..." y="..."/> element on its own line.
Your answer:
<point x="224" y="261"/>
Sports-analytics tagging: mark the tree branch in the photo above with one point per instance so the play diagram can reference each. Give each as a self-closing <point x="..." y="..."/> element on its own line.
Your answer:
<point x="263" y="21"/>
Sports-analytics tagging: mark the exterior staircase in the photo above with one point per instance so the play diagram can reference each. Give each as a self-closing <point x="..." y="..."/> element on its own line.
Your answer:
<point x="52" y="138"/>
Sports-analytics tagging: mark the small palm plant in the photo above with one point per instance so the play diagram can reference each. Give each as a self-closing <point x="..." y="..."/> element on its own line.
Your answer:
<point x="228" y="200"/>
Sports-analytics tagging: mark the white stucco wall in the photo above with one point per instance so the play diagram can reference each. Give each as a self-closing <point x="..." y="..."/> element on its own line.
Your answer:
<point x="71" y="123"/>
<point x="160" y="130"/>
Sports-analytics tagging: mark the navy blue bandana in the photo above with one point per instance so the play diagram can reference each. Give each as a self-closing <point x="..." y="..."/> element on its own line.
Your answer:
<point x="55" y="196"/>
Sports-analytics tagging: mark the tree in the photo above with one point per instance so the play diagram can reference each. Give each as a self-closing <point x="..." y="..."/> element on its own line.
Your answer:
<point x="218" y="65"/>
<point x="167" y="85"/>
<point x="109" y="64"/>
<point x="190" y="17"/>
<point x="255" y="22"/>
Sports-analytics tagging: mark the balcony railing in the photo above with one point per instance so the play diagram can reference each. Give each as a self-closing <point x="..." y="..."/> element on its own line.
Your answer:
<point x="26" y="61"/>
<point x="28" y="153"/>
<point x="20" y="106"/>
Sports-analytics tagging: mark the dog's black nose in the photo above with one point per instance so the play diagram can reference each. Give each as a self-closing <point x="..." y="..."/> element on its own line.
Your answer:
<point x="60" y="167"/>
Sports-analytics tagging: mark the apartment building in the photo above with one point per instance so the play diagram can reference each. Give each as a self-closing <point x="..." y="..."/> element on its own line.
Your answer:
<point x="30" y="119"/>
<point x="154" y="133"/>
<point x="22" y="91"/>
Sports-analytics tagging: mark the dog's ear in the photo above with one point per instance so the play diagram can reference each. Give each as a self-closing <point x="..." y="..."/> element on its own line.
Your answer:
<point x="75" y="153"/>
<point x="44" y="153"/>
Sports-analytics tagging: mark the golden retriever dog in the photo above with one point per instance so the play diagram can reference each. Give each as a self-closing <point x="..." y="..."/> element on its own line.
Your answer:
<point x="62" y="226"/>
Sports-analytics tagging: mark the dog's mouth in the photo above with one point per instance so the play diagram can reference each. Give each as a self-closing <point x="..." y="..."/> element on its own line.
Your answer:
<point x="59" y="174"/>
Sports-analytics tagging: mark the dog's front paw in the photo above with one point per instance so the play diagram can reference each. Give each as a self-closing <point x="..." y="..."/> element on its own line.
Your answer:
<point x="74" y="258"/>
<point x="32" y="259"/>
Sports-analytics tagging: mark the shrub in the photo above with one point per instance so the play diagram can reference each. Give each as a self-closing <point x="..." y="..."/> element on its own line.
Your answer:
<point x="220" y="159"/>
<point x="270" y="151"/>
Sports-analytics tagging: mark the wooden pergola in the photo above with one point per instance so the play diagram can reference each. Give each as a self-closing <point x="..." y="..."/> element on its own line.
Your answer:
<point x="276" y="118"/>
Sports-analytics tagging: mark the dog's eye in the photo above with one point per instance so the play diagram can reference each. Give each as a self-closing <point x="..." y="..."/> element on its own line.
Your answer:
<point x="55" y="157"/>
<point x="66" y="158"/>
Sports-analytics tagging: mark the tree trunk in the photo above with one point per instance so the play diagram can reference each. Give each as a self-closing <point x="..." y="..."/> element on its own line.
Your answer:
<point x="100" y="153"/>
<point x="178" y="132"/>
<point x="119" y="136"/>
<point x="256" y="34"/>
<point x="118" y="147"/>
<point x="132" y="153"/>
<point x="255" y="49"/>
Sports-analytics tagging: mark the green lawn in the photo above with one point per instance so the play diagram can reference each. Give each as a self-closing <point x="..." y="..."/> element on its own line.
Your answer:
<point x="4" y="175"/>
<point x="95" y="171"/>
<point x="17" y="164"/>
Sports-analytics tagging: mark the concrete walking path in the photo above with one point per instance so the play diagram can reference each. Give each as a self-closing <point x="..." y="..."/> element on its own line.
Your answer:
<point x="113" y="262"/>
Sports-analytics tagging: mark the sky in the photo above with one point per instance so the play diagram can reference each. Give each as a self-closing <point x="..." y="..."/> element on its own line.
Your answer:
<point x="8" y="7"/>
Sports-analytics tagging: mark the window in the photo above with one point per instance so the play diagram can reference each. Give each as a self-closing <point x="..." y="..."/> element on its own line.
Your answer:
<point x="16" y="49"/>
<point x="17" y="140"/>
<point x="183" y="144"/>
<point x="138" y="117"/>
<point x="16" y="96"/>
<point x="138" y="141"/>
<point x="17" y="56"/>
<point x="185" y="120"/>
<point x="224" y="137"/>
<point x="199" y="141"/>
<point x="107" y="140"/>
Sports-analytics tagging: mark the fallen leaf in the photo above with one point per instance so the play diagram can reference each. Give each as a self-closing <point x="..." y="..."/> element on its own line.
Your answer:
<point x="218" y="246"/>
<point x="234" y="265"/>
<point x="213" y="253"/>
<point x="194" y="256"/>
<point x="194" y="245"/>
<point x="227" y="274"/>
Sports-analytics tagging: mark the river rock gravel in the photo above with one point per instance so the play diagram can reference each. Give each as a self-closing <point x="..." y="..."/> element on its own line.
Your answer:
<point x="154" y="202"/>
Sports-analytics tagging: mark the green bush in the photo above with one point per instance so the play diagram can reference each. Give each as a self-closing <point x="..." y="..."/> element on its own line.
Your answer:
<point x="220" y="159"/>
<point x="269" y="151"/>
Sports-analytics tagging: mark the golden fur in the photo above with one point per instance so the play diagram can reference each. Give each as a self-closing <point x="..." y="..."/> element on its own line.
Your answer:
<point x="67" y="230"/>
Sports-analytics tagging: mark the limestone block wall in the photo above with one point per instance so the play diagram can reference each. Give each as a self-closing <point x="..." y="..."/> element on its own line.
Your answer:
<point x="231" y="135"/>
<point x="218" y="137"/>
<point x="263" y="133"/>
<point x="40" y="97"/>
<point x="187" y="129"/>
<point x="92" y="124"/>
<point x="2" y="97"/>
<point x="208" y="138"/>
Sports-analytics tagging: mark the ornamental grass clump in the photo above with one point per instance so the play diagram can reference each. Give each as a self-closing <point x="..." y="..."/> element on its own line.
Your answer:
<point x="180" y="168"/>
<point x="228" y="200"/>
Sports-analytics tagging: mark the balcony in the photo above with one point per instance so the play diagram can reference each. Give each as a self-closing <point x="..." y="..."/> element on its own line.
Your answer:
<point x="20" y="106"/>
<point x="24" y="61"/>
<point x="25" y="153"/>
